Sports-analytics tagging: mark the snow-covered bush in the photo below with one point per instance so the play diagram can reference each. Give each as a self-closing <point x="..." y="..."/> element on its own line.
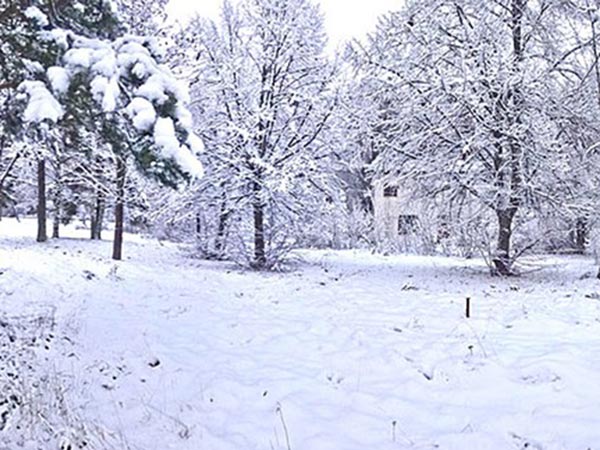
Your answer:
<point x="263" y="93"/>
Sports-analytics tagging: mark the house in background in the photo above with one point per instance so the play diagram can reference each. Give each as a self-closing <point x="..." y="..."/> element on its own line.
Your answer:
<point x="396" y="214"/>
<point x="401" y="219"/>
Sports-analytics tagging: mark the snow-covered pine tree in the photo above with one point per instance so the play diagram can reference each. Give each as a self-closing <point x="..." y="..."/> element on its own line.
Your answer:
<point x="138" y="107"/>
<point x="12" y="72"/>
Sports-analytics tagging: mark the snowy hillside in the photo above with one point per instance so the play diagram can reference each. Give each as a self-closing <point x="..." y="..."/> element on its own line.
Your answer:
<point x="349" y="351"/>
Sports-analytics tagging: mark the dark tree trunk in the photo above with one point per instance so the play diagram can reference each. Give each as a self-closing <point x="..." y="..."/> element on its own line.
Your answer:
<point x="260" y="257"/>
<point x="512" y="179"/>
<point x="56" y="226"/>
<point x="57" y="199"/>
<point x="222" y="229"/>
<point x="4" y="197"/>
<point x="581" y="234"/>
<point x="41" y="206"/>
<point x="198" y="226"/>
<point x="263" y="138"/>
<point x="502" y="261"/>
<point x="97" y="217"/>
<point x="119" y="210"/>
<point x="56" y="218"/>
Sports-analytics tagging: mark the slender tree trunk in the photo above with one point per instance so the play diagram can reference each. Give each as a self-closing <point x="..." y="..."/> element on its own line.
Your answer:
<point x="198" y="225"/>
<point x="4" y="177"/>
<point x="263" y="137"/>
<point x="260" y="257"/>
<point x="119" y="210"/>
<point x="97" y="217"/>
<point x="581" y="232"/>
<point x="41" y="206"/>
<point x="224" y="214"/>
<point x="93" y="224"/>
<point x="510" y="182"/>
<point x="56" y="225"/>
<point x="57" y="210"/>
<point x="502" y="260"/>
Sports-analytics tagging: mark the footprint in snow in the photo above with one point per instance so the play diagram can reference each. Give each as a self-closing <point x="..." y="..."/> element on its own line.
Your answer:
<point x="335" y="379"/>
<point x="155" y="362"/>
<point x="526" y="444"/>
<point x="89" y="275"/>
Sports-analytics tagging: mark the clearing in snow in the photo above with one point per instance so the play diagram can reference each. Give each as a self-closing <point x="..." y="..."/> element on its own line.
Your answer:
<point x="348" y="351"/>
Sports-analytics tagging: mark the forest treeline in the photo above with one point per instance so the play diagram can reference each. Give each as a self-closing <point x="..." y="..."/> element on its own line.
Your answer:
<point x="248" y="136"/>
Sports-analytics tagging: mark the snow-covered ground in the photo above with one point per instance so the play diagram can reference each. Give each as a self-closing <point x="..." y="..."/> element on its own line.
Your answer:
<point x="349" y="351"/>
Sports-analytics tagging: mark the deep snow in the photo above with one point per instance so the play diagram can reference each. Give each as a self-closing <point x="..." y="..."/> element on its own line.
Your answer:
<point x="349" y="351"/>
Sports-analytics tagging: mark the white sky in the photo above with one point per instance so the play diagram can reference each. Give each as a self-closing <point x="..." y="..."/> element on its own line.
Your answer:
<point x="344" y="19"/>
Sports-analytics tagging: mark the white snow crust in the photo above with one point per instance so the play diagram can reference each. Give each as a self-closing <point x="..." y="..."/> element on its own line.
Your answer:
<point x="350" y="351"/>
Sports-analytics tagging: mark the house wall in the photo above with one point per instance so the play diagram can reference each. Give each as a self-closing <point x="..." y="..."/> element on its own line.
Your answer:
<point x="389" y="209"/>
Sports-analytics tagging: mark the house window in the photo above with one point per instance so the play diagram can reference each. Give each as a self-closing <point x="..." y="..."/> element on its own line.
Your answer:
<point x="408" y="224"/>
<point x="390" y="191"/>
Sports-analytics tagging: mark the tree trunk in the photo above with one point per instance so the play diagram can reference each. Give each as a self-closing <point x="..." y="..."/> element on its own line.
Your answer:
<point x="56" y="226"/>
<point x="198" y="226"/>
<point x="119" y="210"/>
<point x="97" y="217"/>
<point x="41" y="206"/>
<point x="260" y="257"/>
<point x="502" y="261"/>
<point x="56" y="218"/>
<point x="510" y="180"/>
<point x="57" y="198"/>
<point x="4" y="197"/>
<point x="224" y="214"/>
<point x="581" y="232"/>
